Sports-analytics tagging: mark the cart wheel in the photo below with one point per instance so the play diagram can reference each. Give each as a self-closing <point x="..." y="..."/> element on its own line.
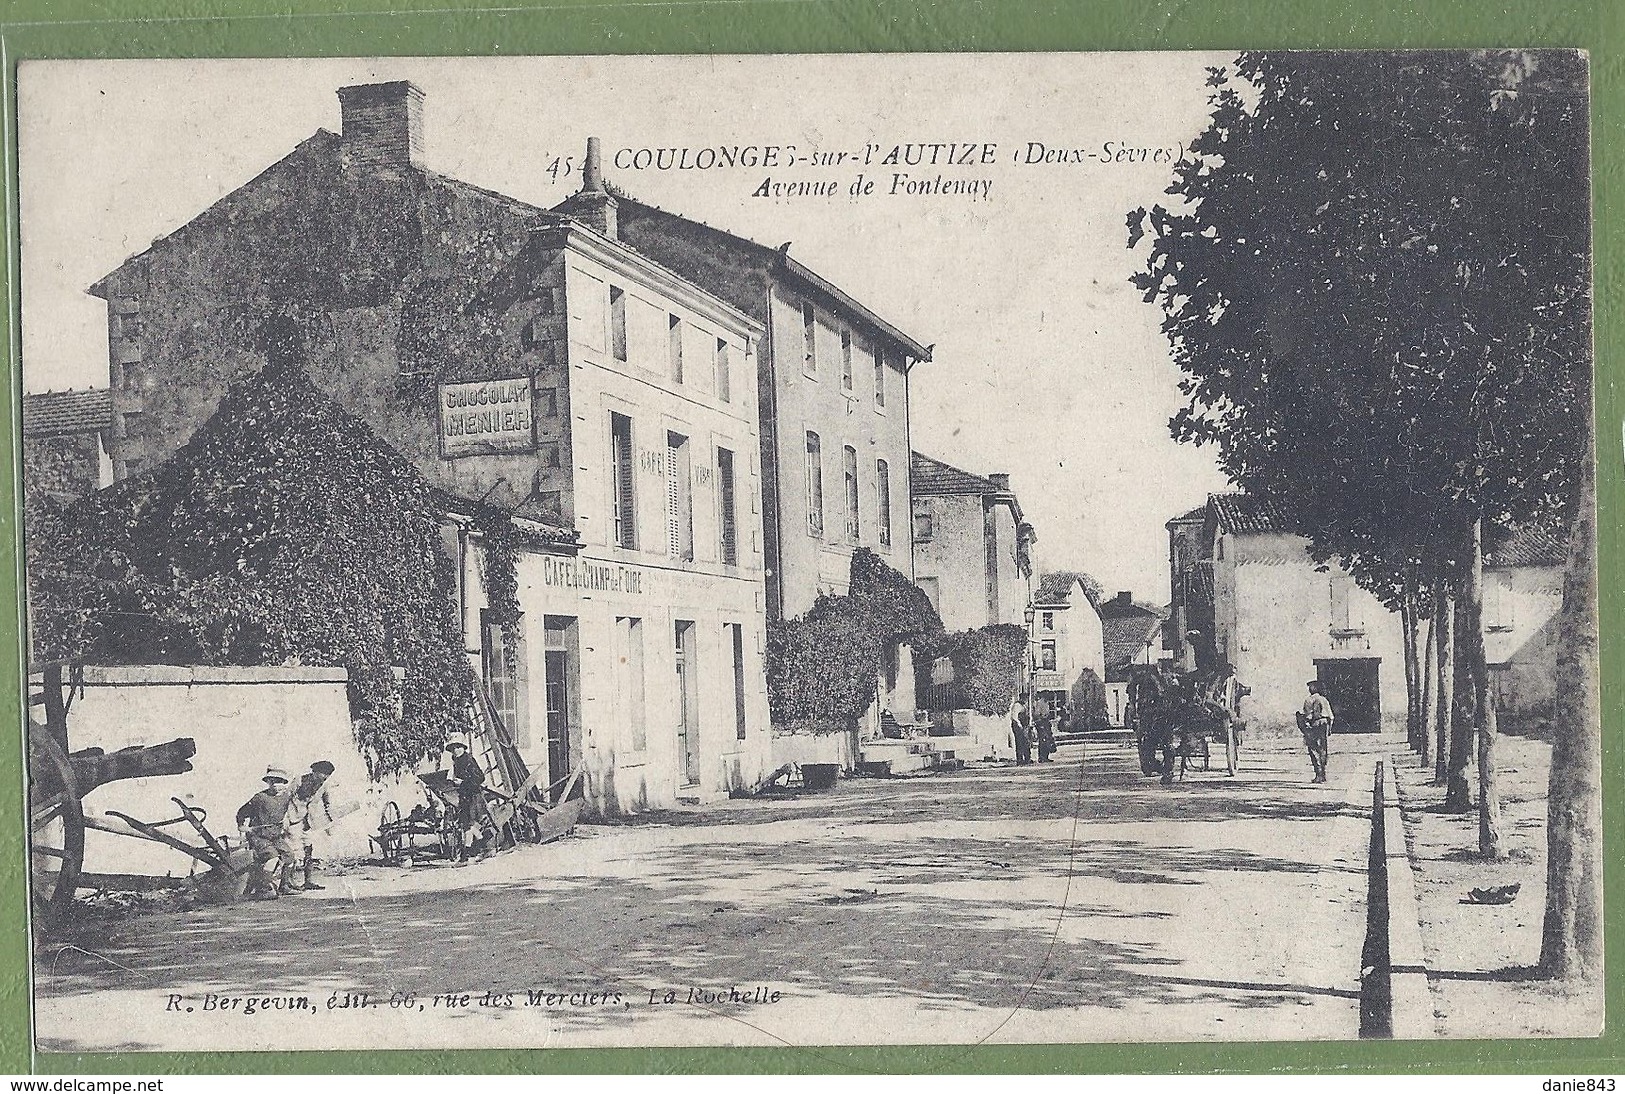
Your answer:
<point x="389" y="834"/>
<point x="56" y="831"/>
<point x="1232" y="749"/>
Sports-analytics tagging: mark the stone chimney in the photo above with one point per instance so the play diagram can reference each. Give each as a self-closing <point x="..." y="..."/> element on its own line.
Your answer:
<point x="1001" y="479"/>
<point x="1123" y="598"/>
<point x="383" y="125"/>
<point x="593" y="206"/>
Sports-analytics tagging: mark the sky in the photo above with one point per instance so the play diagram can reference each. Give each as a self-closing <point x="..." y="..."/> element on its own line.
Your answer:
<point x="1047" y="364"/>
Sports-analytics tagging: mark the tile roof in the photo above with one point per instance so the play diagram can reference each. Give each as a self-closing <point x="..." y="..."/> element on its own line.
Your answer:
<point x="1057" y="588"/>
<point x="935" y="477"/>
<point x="1193" y="515"/>
<point x="1527" y="546"/>
<point x="55" y="413"/>
<point x="1124" y="636"/>
<point x="1240" y="513"/>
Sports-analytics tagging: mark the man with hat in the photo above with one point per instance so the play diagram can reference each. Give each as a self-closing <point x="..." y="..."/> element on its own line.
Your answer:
<point x="311" y="814"/>
<point x="1315" y="723"/>
<point x="469" y="777"/>
<point x="263" y="822"/>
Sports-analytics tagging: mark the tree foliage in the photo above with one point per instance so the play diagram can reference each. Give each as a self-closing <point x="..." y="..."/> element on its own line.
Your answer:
<point x="822" y="667"/>
<point x="1376" y="283"/>
<point x="989" y="667"/>
<point x="283" y="532"/>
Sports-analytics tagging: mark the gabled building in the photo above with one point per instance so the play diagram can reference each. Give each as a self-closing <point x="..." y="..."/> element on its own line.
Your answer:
<point x="1068" y="651"/>
<point x="1282" y="619"/>
<point x="65" y="443"/>
<point x="525" y="360"/>
<point x="834" y="414"/>
<point x="973" y="551"/>
<point x="1131" y="634"/>
<point x="1523" y="594"/>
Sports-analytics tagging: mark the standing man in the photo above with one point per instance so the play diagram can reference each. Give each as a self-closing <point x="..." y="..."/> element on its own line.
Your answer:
<point x="1315" y="722"/>
<point x="263" y="823"/>
<point x="310" y="814"/>
<point x="1022" y="731"/>
<point x="1046" y="734"/>
<point x="470" y="779"/>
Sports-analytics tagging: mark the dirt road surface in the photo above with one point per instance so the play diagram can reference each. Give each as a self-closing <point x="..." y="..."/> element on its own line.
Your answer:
<point x="1068" y="902"/>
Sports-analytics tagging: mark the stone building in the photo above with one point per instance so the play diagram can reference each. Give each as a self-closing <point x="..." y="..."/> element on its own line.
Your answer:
<point x="523" y="359"/>
<point x="1131" y="634"/>
<point x="834" y="381"/>
<point x="1283" y="619"/>
<point x="1523" y="594"/>
<point x="1068" y="647"/>
<point x="65" y="443"/>
<point x="973" y="552"/>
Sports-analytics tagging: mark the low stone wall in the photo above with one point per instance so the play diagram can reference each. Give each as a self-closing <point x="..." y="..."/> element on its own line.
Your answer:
<point x="243" y="720"/>
<point x="799" y="745"/>
<point x="990" y="731"/>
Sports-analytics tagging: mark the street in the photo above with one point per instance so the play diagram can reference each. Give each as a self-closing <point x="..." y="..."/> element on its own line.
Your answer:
<point x="1070" y="902"/>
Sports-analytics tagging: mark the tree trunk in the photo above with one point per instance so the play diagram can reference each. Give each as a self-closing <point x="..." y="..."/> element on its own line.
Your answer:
<point x="1571" y="935"/>
<point x="1413" y="676"/>
<point x="1430" y="667"/>
<point x="1458" y="796"/>
<point x="1444" y="615"/>
<point x="1489" y="795"/>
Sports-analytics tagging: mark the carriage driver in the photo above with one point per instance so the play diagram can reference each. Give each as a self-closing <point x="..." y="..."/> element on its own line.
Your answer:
<point x="263" y="822"/>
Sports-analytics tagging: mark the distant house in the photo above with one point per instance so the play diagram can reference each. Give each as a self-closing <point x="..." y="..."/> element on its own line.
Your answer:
<point x="972" y="549"/>
<point x="65" y="443"/>
<point x="1067" y="640"/>
<point x="1190" y="593"/>
<point x="1523" y="593"/>
<point x="1283" y="619"/>
<point x="1131" y="633"/>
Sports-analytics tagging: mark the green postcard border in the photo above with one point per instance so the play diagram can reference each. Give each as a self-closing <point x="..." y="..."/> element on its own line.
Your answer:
<point x="248" y="28"/>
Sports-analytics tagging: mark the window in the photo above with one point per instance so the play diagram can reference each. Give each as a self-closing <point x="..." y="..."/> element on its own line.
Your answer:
<point x="621" y="461"/>
<point x="1345" y="614"/>
<point x="737" y="634"/>
<point x="679" y="499"/>
<point x="923" y="527"/>
<point x="723" y="365"/>
<point x="674" y="347"/>
<point x="850" y="475"/>
<point x="547" y="454"/>
<point x="809" y="340"/>
<point x="729" y="523"/>
<point x="846" y="360"/>
<point x="546" y="403"/>
<point x="617" y="323"/>
<point x="1048" y="621"/>
<point x="1046" y="656"/>
<point x="815" y="485"/>
<point x="1498" y="605"/>
<point x="502" y="660"/>
<point x="880" y="377"/>
<point x="528" y="334"/>
<point x="629" y="679"/>
<point x="883" y="489"/>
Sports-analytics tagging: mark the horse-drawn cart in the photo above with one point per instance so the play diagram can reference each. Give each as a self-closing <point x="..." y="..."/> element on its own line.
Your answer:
<point x="1177" y="720"/>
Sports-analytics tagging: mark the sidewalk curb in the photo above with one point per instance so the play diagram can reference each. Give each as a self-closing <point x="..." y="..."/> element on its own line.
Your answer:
<point x="1412" y="1000"/>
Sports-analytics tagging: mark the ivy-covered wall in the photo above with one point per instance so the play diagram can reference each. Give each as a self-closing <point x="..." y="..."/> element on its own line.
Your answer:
<point x="822" y="667"/>
<point x="400" y="281"/>
<point x="989" y="668"/>
<point x="284" y="532"/>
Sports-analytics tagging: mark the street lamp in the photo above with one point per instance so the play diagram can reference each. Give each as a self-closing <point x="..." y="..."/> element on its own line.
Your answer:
<point x="1029" y="615"/>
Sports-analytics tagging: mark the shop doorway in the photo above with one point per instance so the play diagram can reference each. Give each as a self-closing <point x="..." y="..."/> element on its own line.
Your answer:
<point x="561" y="691"/>
<point x="688" y="715"/>
<point x="1352" y="686"/>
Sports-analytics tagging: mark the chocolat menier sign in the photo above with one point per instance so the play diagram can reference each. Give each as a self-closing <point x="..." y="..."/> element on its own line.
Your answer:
<point x="486" y="416"/>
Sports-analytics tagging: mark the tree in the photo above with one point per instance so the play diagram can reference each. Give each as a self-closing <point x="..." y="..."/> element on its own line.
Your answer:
<point x="284" y="530"/>
<point x="1376" y="284"/>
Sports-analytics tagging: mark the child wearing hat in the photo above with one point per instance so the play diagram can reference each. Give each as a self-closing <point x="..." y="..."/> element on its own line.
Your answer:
<point x="263" y="822"/>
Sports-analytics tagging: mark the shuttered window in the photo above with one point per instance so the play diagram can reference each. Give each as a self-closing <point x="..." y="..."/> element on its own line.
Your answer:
<point x="679" y="499"/>
<point x="850" y="475"/>
<point x="724" y="366"/>
<point x="815" y="484"/>
<point x="674" y="347"/>
<point x="883" y="490"/>
<point x="728" y="522"/>
<point x="621" y="491"/>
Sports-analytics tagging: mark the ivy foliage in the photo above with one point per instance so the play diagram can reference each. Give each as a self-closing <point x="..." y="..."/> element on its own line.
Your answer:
<point x="284" y="532"/>
<point x="823" y="666"/>
<point x="988" y="667"/>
